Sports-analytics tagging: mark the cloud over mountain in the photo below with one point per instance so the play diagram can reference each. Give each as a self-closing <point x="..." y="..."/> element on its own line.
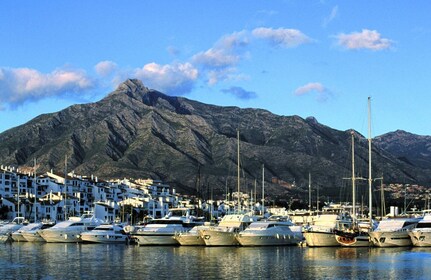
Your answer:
<point x="18" y="85"/>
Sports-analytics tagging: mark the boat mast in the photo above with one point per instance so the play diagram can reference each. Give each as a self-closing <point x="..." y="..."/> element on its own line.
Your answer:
<point x="19" y="214"/>
<point x="353" y="177"/>
<point x="309" y="192"/>
<point x="65" y="188"/>
<point x="263" y="190"/>
<point x="370" y="180"/>
<point x="238" y="170"/>
<point x="35" y="191"/>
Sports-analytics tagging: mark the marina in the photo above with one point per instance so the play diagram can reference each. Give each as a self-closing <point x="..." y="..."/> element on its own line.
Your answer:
<point x="24" y="260"/>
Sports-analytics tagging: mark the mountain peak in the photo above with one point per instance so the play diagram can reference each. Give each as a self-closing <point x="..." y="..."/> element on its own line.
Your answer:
<point x="133" y="88"/>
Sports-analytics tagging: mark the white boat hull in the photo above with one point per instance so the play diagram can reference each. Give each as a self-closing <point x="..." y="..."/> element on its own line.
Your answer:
<point x="267" y="240"/>
<point x="33" y="236"/>
<point x="420" y="238"/>
<point x="219" y="238"/>
<point x="107" y="238"/>
<point x="60" y="236"/>
<point x="320" y="239"/>
<point x="154" y="239"/>
<point x="5" y="238"/>
<point x="17" y="237"/>
<point x="390" y="239"/>
<point x="190" y="240"/>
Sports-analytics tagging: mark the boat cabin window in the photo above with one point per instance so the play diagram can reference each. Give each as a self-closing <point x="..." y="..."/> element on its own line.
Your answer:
<point x="424" y="225"/>
<point x="77" y="224"/>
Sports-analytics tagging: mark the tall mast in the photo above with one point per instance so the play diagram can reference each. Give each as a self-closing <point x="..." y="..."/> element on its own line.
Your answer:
<point x="353" y="177"/>
<point x="238" y="171"/>
<point x="370" y="180"/>
<point x="65" y="188"/>
<point x="309" y="192"/>
<point x="263" y="190"/>
<point x="19" y="212"/>
<point x="35" y="191"/>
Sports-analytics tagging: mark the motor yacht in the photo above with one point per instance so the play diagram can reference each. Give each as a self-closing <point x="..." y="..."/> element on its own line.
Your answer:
<point x="321" y="233"/>
<point x="274" y="231"/>
<point x="106" y="233"/>
<point x="162" y="231"/>
<point x="225" y="233"/>
<point x="421" y="234"/>
<point x="70" y="230"/>
<point x="32" y="234"/>
<point x="393" y="232"/>
<point x="7" y="229"/>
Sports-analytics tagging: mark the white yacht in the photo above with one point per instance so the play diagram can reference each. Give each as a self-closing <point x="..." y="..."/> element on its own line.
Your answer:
<point x="70" y="230"/>
<point x="17" y="235"/>
<point x="192" y="237"/>
<point x="274" y="231"/>
<point x="393" y="232"/>
<point x="32" y="234"/>
<point x="321" y="233"/>
<point x="7" y="229"/>
<point x="421" y="234"/>
<point x="105" y="233"/>
<point x="225" y="233"/>
<point x="162" y="231"/>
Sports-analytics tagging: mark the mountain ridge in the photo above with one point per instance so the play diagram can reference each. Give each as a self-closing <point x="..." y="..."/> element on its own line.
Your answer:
<point x="139" y="132"/>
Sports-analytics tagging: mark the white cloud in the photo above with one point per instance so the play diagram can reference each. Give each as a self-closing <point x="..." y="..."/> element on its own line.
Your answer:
<point x="367" y="39"/>
<point x="287" y="38"/>
<point x="219" y="62"/>
<point x="175" y="79"/>
<point x="322" y="92"/>
<point x="105" y="68"/>
<point x="18" y="85"/>
<point x="331" y="16"/>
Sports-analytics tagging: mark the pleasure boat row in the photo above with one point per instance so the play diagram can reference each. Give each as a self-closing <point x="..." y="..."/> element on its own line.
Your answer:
<point x="334" y="230"/>
<point x="86" y="228"/>
<point x="244" y="230"/>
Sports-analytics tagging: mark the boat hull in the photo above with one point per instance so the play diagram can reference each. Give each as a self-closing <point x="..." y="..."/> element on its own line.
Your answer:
<point x="33" y="236"/>
<point x="60" y="237"/>
<point x="5" y="238"/>
<point x="107" y="238"/>
<point x="190" y="240"/>
<point x="320" y="239"/>
<point x="17" y="237"/>
<point x="390" y="239"/>
<point x="219" y="238"/>
<point x="420" y="238"/>
<point x="267" y="240"/>
<point x="154" y="239"/>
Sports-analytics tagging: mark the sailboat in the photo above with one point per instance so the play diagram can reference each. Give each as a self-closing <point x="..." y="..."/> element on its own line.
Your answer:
<point x="225" y="233"/>
<point x="353" y="235"/>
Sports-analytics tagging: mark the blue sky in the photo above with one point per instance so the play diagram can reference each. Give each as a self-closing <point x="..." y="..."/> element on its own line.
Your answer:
<point x="307" y="58"/>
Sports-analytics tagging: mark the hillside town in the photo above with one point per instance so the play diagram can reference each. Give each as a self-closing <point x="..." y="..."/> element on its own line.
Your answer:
<point x="55" y="197"/>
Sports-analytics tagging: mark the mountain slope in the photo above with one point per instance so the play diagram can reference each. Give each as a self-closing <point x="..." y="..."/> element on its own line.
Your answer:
<point x="137" y="132"/>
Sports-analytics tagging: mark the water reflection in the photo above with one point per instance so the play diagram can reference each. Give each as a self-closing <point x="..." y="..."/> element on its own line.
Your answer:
<point x="86" y="261"/>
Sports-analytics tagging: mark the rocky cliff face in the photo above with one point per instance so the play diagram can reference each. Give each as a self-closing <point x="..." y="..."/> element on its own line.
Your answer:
<point x="410" y="148"/>
<point x="138" y="132"/>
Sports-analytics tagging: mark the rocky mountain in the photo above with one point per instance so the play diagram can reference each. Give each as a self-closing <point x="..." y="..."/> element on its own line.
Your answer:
<point x="410" y="148"/>
<point x="137" y="132"/>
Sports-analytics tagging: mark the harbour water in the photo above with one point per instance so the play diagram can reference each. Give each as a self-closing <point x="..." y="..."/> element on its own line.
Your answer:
<point x="87" y="261"/>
